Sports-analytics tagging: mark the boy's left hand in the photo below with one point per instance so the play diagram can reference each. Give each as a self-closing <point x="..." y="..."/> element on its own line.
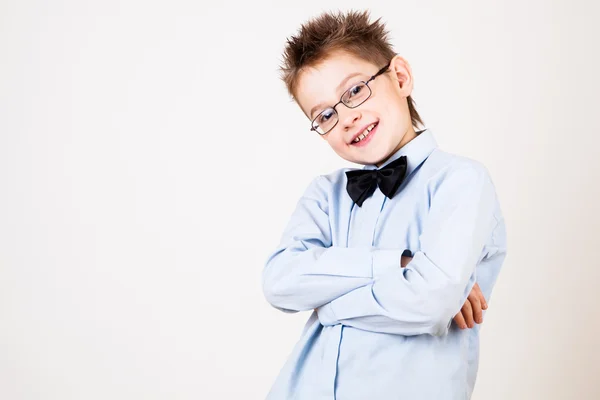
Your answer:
<point x="472" y="311"/>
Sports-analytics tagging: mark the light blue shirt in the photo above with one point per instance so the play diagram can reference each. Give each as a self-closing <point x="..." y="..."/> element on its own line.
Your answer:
<point x="381" y="331"/>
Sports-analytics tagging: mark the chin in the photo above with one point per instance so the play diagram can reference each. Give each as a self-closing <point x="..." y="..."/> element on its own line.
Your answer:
<point x="368" y="160"/>
<point x="379" y="156"/>
<point x="376" y="154"/>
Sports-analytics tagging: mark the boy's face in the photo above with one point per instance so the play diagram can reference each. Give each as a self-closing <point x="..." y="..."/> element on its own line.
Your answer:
<point x="321" y="87"/>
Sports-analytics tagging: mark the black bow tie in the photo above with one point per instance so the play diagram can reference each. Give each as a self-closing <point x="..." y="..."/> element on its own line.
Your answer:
<point x="363" y="182"/>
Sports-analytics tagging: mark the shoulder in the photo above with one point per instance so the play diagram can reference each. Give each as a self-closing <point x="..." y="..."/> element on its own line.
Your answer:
<point x="446" y="174"/>
<point x="329" y="187"/>
<point x="441" y="165"/>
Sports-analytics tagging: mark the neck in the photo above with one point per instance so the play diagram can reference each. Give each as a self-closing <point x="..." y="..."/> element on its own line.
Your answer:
<point x="408" y="136"/>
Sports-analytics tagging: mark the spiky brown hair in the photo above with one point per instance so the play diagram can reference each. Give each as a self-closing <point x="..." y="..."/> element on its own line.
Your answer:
<point x="351" y="32"/>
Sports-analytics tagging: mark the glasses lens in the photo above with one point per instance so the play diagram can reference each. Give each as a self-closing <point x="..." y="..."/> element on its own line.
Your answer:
<point x="325" y="121"/>
<point x="356" y="95"/>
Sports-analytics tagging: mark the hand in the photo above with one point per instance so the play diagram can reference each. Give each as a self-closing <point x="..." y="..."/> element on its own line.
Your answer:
<point x="471" y="311"/>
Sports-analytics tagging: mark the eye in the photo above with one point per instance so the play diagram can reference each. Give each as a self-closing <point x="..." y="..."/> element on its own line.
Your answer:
<point x="355" y="90"/>
<point x="325" y="116"/>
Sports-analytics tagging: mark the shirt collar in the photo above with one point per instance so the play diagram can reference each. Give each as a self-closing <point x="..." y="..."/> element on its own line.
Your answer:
<point x="416" y="151"/>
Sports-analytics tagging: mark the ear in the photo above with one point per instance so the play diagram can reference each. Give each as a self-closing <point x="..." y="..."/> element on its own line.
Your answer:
<point x="401" y="74"/>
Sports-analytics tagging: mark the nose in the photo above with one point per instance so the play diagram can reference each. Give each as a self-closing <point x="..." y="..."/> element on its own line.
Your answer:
<point x="350" y="117"/>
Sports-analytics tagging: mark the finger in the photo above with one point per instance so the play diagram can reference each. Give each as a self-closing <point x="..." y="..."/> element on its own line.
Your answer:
<point x="467" y="312"/>
<point x="476" y="307"/>
<point x="484" y="304"/>
<point x="460" y="321"/>
<point x="404" y="261"/>
<point x="406" y="257"/>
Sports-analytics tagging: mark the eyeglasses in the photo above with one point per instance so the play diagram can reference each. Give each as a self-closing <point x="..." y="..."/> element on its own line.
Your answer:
<point x="351" y="98"/>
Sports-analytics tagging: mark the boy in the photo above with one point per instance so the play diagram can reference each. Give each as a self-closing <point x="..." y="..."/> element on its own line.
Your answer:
<point x="381" y="326"/>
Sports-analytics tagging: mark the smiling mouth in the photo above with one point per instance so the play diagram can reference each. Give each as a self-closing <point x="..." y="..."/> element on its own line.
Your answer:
<point x="365" y="134"/>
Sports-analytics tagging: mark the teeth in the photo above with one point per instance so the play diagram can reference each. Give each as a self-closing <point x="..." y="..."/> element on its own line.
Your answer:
<point x="365" y="133"/>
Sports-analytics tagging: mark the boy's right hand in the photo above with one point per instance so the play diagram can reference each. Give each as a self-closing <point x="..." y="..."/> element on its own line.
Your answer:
<point x="471" y="311"/>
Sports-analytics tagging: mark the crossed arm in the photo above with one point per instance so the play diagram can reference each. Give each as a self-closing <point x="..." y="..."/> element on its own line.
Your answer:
<point x="471" y="312"/>
<point x="364" y="287"/>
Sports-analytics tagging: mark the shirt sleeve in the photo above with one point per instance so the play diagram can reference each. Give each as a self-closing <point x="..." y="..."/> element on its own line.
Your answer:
<point x="305" y="271"/>
<point x="424" y="296"/>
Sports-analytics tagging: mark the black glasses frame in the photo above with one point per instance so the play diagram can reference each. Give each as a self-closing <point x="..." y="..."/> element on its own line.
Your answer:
<point x="312" y="127"/>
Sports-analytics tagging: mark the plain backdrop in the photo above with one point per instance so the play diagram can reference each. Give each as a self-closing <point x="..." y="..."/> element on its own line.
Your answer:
<point x="150" y="158"/>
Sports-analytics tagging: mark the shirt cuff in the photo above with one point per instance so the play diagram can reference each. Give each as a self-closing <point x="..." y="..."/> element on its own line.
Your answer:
<point x="326" y="315"/>
<point x="384" y="260"/>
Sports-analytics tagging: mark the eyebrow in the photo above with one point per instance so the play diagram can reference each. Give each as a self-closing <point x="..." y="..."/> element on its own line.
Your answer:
<point x="337" y="89"/>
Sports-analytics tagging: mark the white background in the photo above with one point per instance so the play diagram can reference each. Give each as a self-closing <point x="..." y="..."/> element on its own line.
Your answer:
<point x="150" y="158"/>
